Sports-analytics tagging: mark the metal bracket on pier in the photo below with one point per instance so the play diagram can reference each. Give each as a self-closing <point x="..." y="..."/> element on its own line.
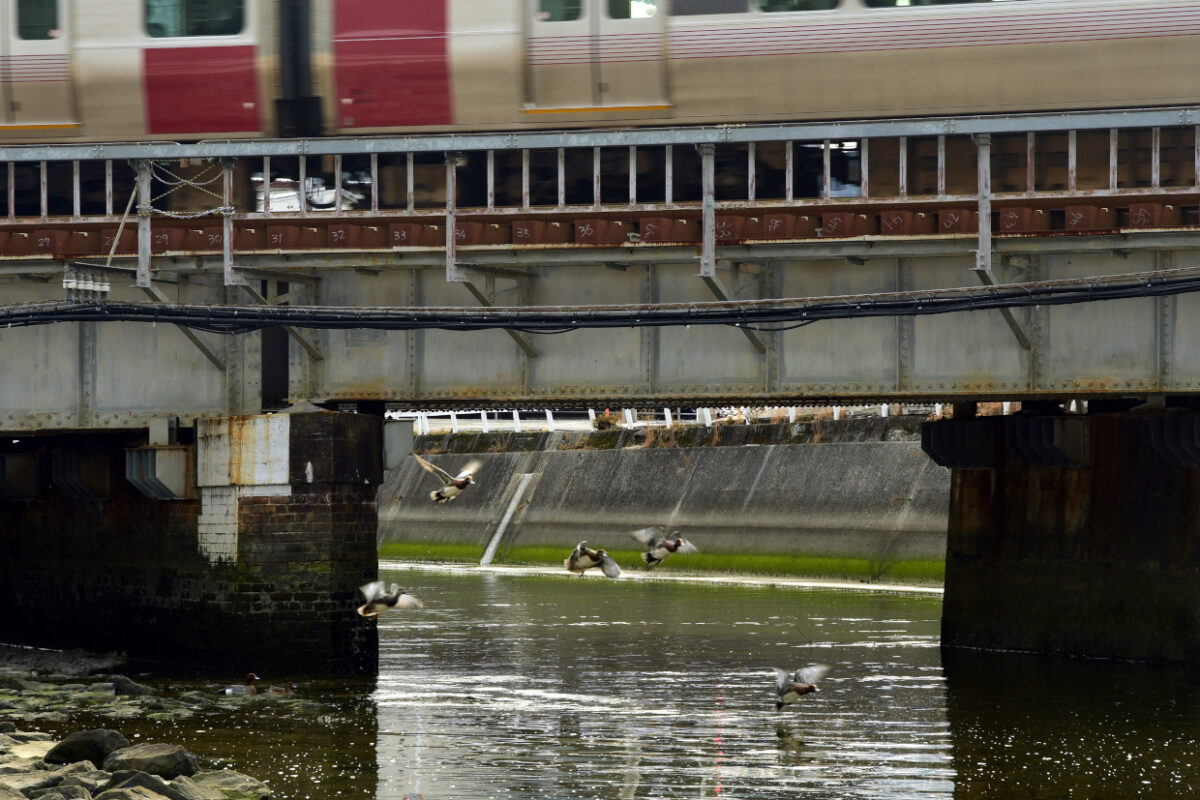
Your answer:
<point x="985" y="277"/>
<point x="718" y="289"/>
<point x="156" y="294"/>
<point x="519" y="338"/>
<point x="308" y="346"/>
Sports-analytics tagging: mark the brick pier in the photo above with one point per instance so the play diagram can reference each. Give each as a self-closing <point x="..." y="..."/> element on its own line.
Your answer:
<point x="257" y="570"/>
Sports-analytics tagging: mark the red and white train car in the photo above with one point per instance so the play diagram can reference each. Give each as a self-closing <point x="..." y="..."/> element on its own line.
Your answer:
<point x="103" y="70"/>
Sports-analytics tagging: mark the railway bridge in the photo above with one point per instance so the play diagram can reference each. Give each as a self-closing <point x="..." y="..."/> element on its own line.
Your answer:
<point x="158" y="301"/>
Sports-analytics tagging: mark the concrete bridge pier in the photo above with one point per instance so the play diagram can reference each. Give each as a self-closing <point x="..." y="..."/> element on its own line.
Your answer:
<point x="1074" y="535"/>
<point x="249" y="560"/>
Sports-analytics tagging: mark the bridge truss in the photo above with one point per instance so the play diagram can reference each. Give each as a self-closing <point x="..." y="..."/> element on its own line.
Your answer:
<point x="158" y="279"/>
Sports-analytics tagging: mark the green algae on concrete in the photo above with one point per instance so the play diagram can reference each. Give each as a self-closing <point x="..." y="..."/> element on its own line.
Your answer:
<point x="857" y="569"/>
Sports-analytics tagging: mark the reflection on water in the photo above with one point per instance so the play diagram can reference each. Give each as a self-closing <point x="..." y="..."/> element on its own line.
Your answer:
<point x="510" y="687"/>
<point x="1069" y="728"/>
<point x="524" y="687"/>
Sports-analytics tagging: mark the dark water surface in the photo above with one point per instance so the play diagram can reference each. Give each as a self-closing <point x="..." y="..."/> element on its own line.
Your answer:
<point x="556" y="687"/>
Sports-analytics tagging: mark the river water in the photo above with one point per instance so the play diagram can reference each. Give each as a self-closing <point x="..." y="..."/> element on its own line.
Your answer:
<point x="519" y="687"/>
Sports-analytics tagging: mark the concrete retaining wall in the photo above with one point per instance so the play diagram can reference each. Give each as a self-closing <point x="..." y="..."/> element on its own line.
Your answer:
<point x="863" y="491"/>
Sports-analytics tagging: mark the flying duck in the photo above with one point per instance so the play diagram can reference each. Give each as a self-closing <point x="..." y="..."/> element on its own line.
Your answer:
<point x="247" y="688"/>
<point x="379" y="598"/>
<point x="583" y="558"/>
<point x="790" y="687"/>
<point x="452" y="484"/>
<point x="659" y="546"/>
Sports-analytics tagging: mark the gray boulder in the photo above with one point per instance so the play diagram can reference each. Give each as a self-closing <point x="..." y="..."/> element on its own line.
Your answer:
<point x="94" y="746"/>
<point x="165" y="760"/>
<point x="10" y="794"/>
<point x="232" y="785"/>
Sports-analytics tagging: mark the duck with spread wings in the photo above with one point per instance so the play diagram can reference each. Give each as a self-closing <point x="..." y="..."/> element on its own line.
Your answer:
<point x="658" y="545"/>
<point x="791" y="686"/>
<point x="452" y="485"/>
<point x="381" y="598"/>
<point x="583" y="558"/>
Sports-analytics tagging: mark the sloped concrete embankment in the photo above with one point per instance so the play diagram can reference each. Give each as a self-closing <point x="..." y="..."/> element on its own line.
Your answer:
<point x="849" y="490"/>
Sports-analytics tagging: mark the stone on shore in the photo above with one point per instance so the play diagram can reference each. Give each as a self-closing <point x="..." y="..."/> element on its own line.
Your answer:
<point x="28" y="782"/>
<point x="65" y="792"/>
<point x="233" y="785"/>
<point x="91" y="782"/>
<point x="131" y="793"/>
<point x="181" y="788"/>
<point x="165" y="760"/>
<point x="127" y="686"/>
<point x="93" y="745"/>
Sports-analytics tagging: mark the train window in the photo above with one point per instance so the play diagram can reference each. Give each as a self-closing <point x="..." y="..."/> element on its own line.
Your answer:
<point x="631" y="9"/>
<point x="170" y="18"/>
<point x="682" y="8"/>
<point x="559" y="10"/>
<point x="796" y="5"/>
<point x="37" y="19"/>
<point x="905" y="3"/>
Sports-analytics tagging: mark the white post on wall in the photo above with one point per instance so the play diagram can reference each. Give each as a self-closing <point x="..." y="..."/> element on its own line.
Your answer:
<point x="707" y="417"/>
<point x="837" y="412"/>
<point x="549" y="420"/>
<point x="629" y="419"/>
<point x="516" y="420"/>
<point x="453" y="422"/>
<point x="791" y="414"/>
<point x="592" y="418"/>
<point x="483" y="418"/>
<point x="883" y="410"/>
<point x="667" y="416"/>
<point x="1005" y="406"/>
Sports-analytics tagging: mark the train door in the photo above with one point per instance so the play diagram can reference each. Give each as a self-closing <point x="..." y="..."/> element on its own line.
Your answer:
<point x="391" y="63"/>
<point x="37" y="65"/>
<point x="631" y="52"/>
<point x="596" y="53"/>
<point x="201" y="66"/>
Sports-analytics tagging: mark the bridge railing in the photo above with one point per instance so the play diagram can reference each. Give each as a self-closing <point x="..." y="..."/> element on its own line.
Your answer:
<point x="706" y="188"/>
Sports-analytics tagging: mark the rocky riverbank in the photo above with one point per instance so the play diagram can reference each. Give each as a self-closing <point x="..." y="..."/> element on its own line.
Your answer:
<point x="33" y="765"/>
<point x="43" y="688"/>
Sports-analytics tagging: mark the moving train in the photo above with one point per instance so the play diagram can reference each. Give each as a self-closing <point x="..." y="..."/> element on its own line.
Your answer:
<point x="123" y="70"/>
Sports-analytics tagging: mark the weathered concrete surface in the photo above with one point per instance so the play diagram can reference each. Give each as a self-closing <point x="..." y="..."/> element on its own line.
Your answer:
<point x="861" y="490"/>
<point x="1101" y="559"/>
